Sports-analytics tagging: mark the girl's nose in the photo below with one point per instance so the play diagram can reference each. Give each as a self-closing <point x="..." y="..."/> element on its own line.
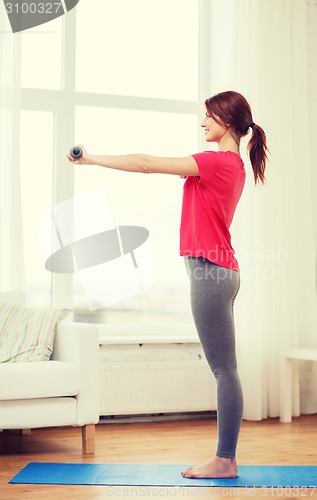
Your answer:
<point x="203" y="123"/>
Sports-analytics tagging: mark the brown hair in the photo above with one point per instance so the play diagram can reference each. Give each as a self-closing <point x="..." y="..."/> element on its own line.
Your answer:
<point x="233" y="110"/>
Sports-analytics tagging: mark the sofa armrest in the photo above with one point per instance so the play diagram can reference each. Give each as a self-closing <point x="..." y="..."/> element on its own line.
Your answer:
<point x="78" y="344"/>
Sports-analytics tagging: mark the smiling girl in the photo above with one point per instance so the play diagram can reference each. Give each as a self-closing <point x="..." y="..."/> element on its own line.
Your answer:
<point x="213" y="187"/>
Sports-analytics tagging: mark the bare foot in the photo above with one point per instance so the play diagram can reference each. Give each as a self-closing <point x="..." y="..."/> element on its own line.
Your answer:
<point x="217" y="467"/>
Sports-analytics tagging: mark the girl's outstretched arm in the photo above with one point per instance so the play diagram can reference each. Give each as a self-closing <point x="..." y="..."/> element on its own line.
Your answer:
<point x="142" y="163"/>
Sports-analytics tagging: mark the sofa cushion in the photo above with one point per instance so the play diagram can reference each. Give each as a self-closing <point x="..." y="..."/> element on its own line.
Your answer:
<point x="27" y="335"/>
<point x="38" y="380"/>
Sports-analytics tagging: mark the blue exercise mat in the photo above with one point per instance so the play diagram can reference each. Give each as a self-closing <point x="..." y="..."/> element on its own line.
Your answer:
<point x="162" y="475"/>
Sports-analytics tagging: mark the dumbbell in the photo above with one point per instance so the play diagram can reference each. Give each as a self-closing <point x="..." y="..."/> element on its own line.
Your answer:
<point x="76" y="152"/>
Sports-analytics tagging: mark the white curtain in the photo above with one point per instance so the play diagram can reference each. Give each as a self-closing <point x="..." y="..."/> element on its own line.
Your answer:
<point x="11" y="238"/>
<point x="309" y="369"/>
<point x="260" y="49"/>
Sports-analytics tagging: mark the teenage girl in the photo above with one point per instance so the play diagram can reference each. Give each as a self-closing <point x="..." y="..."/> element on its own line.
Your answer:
<point x="213" y="186"/>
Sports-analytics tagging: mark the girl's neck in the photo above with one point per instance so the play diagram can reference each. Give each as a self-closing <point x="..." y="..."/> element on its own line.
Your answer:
<point x="229" y="143"/>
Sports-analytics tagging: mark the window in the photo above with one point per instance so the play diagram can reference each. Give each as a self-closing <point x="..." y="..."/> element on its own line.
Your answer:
<point x="119" y="77"/>
<point x="140" y="48"/>
<point x="41" y="51"/>
<point x="36" y="181"/>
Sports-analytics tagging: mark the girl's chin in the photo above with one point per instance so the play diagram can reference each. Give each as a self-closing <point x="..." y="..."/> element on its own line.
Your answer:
<point x="209" y="138"/>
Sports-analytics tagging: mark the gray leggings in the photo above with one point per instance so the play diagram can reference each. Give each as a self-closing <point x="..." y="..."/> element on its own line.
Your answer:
<point x="213" y="290"/>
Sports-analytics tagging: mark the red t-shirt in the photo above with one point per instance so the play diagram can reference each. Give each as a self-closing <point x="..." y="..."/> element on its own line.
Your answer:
<point x="209" y="203"/>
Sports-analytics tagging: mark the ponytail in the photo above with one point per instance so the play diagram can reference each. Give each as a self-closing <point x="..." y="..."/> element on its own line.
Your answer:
<point x="258" y="153"/>
<point x="232" y="109"/>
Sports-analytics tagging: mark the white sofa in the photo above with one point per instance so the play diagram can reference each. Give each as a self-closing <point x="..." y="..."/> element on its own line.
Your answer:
<point x="61" y="392"/>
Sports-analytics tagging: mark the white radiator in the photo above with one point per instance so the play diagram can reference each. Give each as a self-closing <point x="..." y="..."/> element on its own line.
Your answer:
<point x="162" y="378"/>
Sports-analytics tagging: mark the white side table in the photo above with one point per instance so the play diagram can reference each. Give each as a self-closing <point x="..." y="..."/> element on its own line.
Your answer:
<point x="290" y="380"/>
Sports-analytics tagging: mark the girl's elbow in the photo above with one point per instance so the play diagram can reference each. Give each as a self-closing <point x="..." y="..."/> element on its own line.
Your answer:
<point x="146" y="164"/>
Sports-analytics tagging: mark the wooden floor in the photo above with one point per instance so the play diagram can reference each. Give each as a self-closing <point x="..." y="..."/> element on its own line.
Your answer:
<point x="183" y="442"/>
